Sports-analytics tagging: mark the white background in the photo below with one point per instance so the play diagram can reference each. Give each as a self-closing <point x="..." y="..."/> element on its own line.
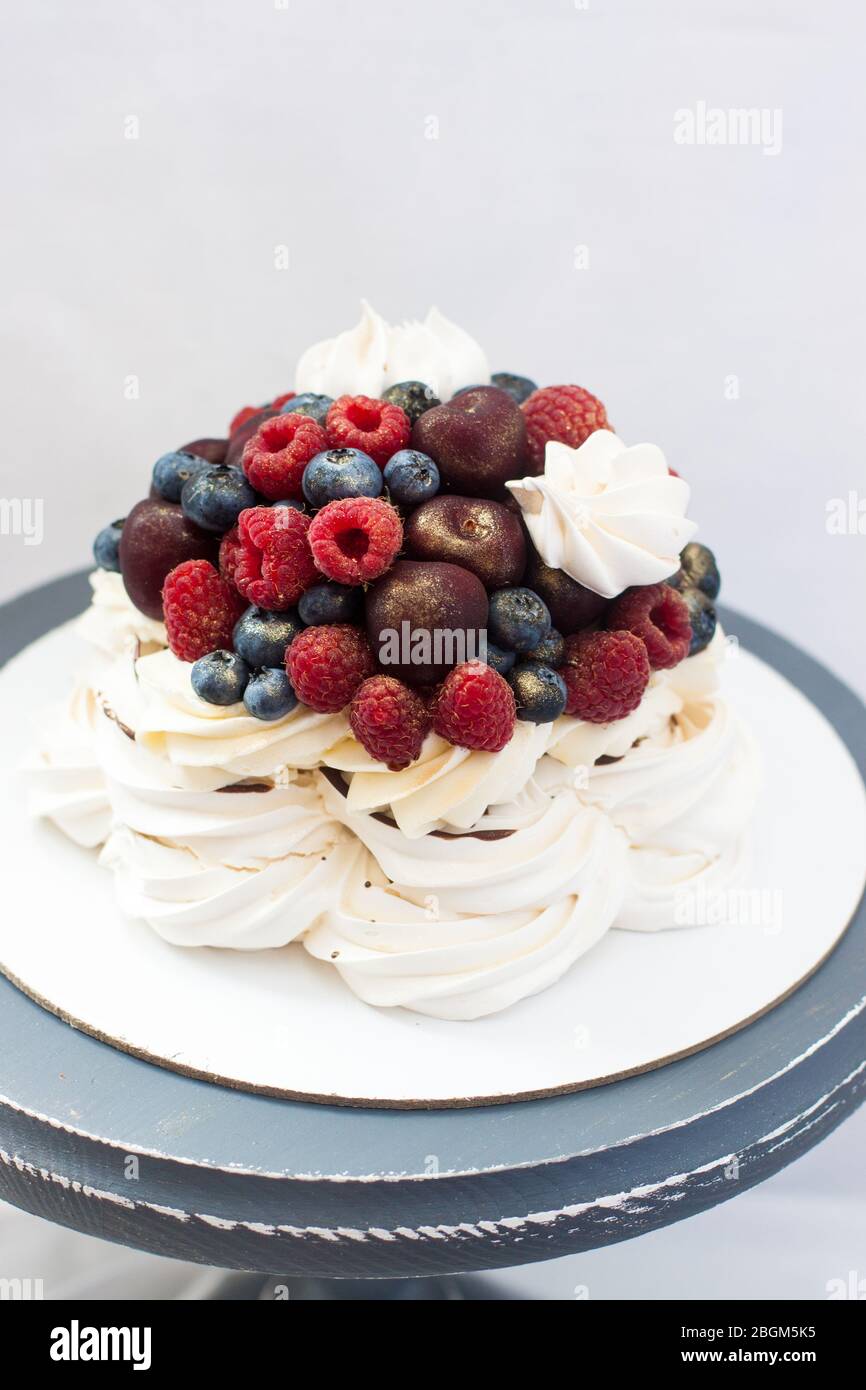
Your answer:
<point x="305" y="125"/>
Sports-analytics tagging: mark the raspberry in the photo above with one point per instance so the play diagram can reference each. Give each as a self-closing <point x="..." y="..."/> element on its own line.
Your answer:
<point x="230" y="553"/>
<point x="274" y="564"/>
<point x="475" y="708"/>
<point x="390" y="720"/>
<point x="376" y="427"/>
<point x="200" y="610"/>
<point x="275" y="458"/>
<point x="566" y="413"/>
<point x="605" y="674"/>
<point x="659" y="615"/>
<point x="247" y="412"/>
<point x="327" y="664"/>
<point x="239" y="437"/>
<point x="356" y="539"/>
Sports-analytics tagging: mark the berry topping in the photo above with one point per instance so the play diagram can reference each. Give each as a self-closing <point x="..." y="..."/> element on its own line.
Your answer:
<point x="275" y="565"/>
<point x="413" y="398"/>
<point x="565" y="413"/>
<point x="482" y="536"/>
<point x="475" y="708"/>
<point x="327" y="664"/>
<point x="275" y="457"/>
<point x="338" y="473"/>
<point x="249" y="412"/>
<point x="215" y="496"/>
<point x="518" y="387"/>
<point x="308" y="403"/>
<point x="411" y="478"/>
<point x="390" y="720"/>
<point x="156" y="537"/>
<point x="269" y="694"/>
<point x="230" y="551"/>
<point x="210" y="450"/>
<point x="539" y="691"/>
<point x="262" y="638"/>
<point x="376" y="427"/>
<point x="329" y="603"/>
<point x="220" y="678"/>
<point x="246" y="413"/>
<point x="200" y="608"/>
<point x="702" y="615"/>
<point x="572" y="606"/>
<point x="239" y="437"/>
<point x="478" y="440"/>
<point x="356" y="540"/>
<point x="106" y="547"/>
<point x="660" y="617"/>
<point x="519" y="619"/>
<point x="698" y="570"/>
<point x="442" y="610"/>
<point x="500" y="659"/>
<point x="550" y="650"/>
<point x="173" y="470"/>
<point x="605" y="675"/>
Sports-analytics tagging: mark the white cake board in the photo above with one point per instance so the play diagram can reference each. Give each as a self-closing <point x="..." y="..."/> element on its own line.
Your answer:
<point x="282" y="1023"/>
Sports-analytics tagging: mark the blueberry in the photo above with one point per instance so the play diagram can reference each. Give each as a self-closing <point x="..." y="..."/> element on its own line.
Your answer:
<point x="269" y="694"/>
<point x="261" y="638"/>
<point x="106" y="546"/>
<point x="698" y="570"/>
<point x="501" y="660"/>
<point x="220" y="678"/>
<point x="289" y="502"/>
<point x="518" y="619"/>
<point x="550" y="650"/>
<point x="329" y="603"/>
<point x="411" y="477"/>
<point x="308" y="403"/>
<point x="337" y="473"/>
<point x="702" y="615"/>
<point x="520" y="387"/>
<point x="214" y="497"/>
<point x="413" y="397"/>
<point x="539" y="692"/>
<point x="173" y="470"/>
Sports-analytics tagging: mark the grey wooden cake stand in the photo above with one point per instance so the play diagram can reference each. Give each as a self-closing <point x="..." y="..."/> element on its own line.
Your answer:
<point x="113" y="1146"/>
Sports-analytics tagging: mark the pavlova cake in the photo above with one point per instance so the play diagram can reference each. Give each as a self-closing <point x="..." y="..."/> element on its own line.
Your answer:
<point x="418" y="669"/>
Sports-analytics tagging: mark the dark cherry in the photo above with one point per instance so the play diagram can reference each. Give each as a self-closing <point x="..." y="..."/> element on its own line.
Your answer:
<point x="156" y="536"/>
<point x="214" y="450"/>
<point x="239" y="438"/>
<point x="572" y="606"/>
<point x="478" y="441"/>
<point x="429" y="596"/>
<point x="480" y="535"/>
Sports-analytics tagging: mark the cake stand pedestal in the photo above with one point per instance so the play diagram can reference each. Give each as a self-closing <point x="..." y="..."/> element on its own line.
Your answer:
<point x="115" y="1147"/>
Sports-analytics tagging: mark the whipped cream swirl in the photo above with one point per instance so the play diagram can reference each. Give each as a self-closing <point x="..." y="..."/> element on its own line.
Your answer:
<point x="608" y="515"/>
<point x="367" y="359"/>
<point x="480" y="944"/>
